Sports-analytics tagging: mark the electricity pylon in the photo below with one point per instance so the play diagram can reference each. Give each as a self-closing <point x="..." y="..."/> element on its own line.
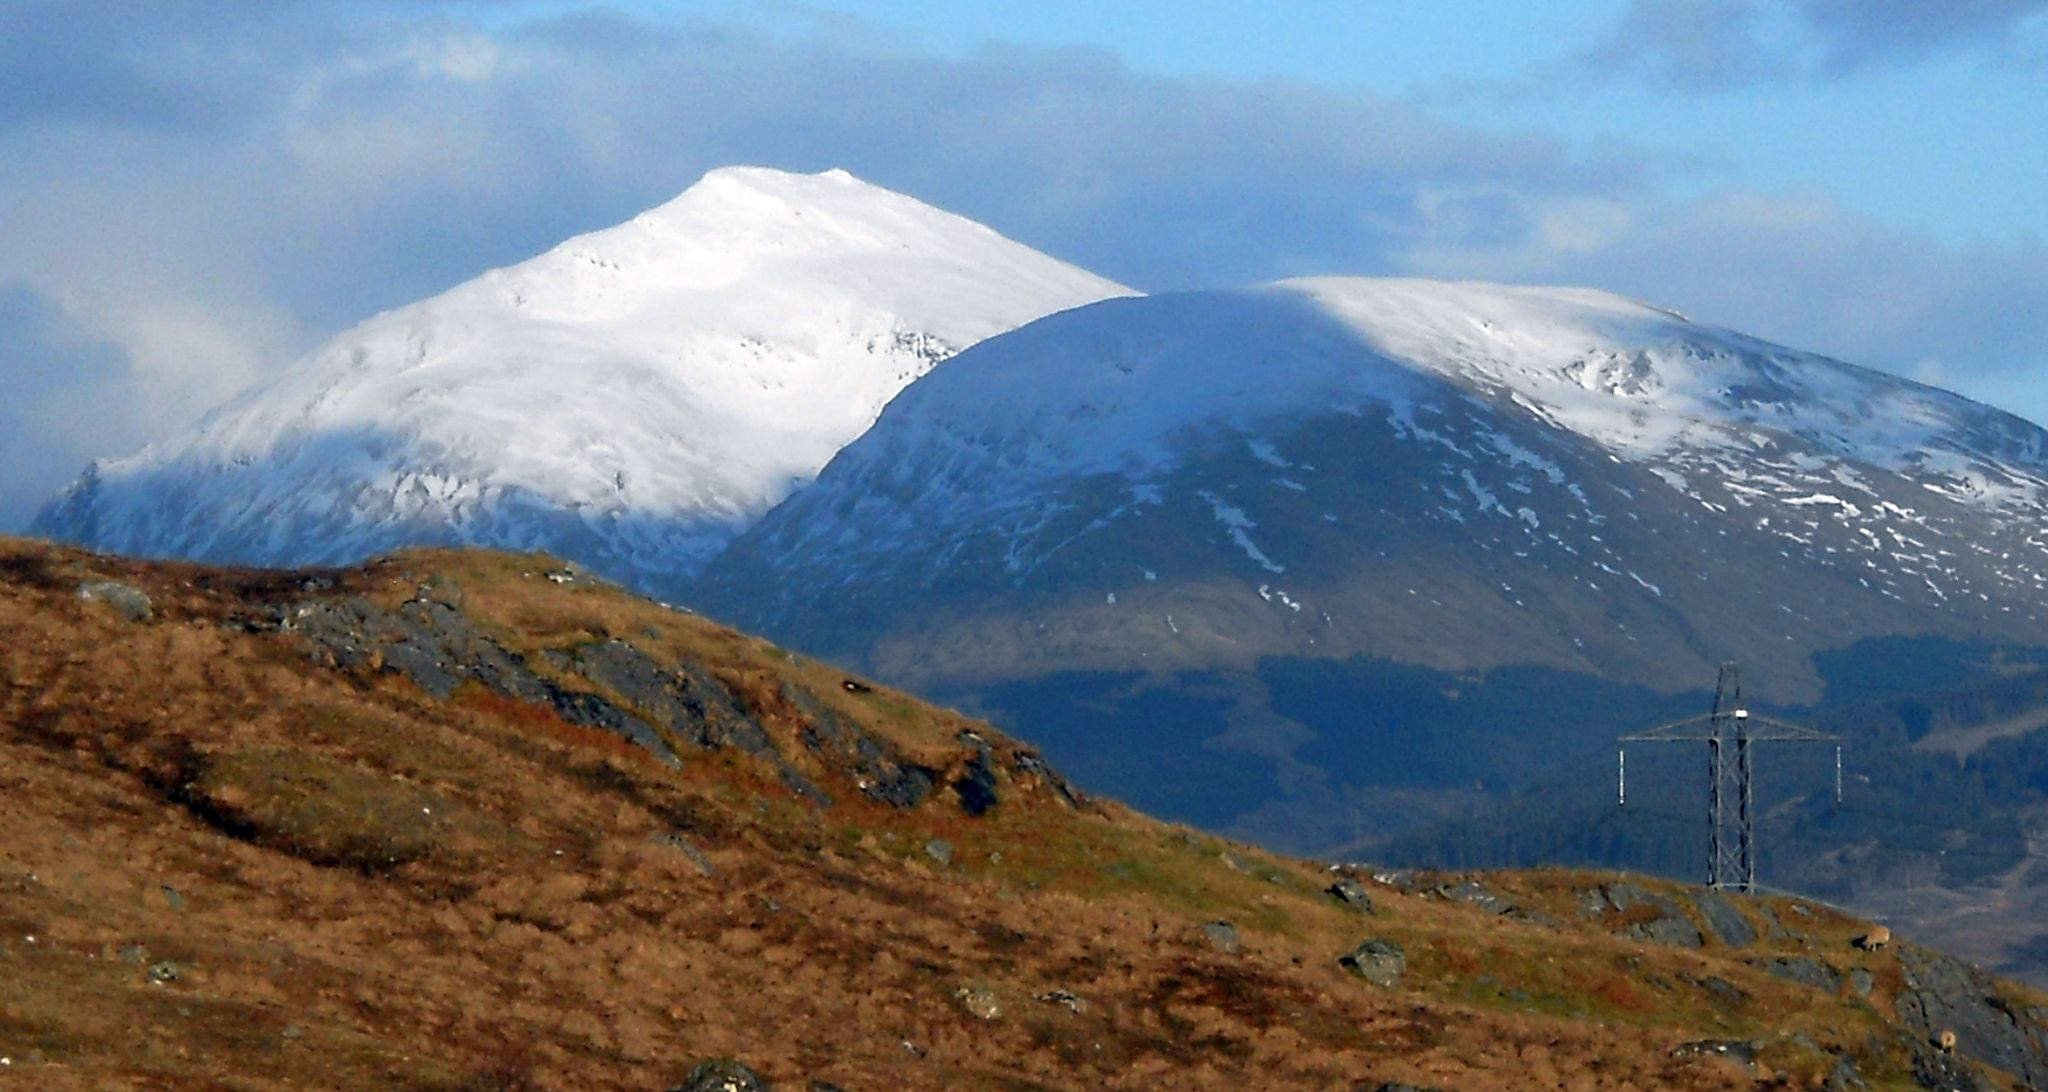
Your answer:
<point x="1729" y="732"/>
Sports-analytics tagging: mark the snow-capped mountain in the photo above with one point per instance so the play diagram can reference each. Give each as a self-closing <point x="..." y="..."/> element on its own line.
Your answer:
<point x="1459" y="476"/>
<point x="631" y="398"/>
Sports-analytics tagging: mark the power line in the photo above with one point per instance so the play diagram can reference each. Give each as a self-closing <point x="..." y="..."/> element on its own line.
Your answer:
<point x="1728" y="732"/>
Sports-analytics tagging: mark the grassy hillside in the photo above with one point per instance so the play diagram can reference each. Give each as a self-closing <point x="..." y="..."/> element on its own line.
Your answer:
<point x="475" y="821"/>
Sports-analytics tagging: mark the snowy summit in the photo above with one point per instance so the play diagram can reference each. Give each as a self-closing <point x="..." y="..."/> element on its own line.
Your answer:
<point x="632" y="398"/>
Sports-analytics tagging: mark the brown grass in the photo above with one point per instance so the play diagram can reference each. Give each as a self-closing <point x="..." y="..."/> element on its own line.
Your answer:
<point x="359" y="887"/>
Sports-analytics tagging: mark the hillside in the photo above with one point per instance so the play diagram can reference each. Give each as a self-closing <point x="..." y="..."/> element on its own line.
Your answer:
<point x="478" y="821"/>
<point x="1454" y="476"/>
<point x="631" y="398"/>
<point x="1329" y="563"/>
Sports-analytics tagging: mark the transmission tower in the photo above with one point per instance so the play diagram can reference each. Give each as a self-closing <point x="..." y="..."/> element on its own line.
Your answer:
<point x="1729" y="731"/>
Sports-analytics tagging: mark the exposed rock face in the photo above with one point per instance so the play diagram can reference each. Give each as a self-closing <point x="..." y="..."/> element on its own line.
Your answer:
<point x="878" y="772"/>
<point x="1669" y="925"/>
<point x="1807" y="972"/>
<point x="1944" y="994"/>
<point x="1723" y="920"/>
<point x="437" y="648"/>
<point x="666" y="706"/>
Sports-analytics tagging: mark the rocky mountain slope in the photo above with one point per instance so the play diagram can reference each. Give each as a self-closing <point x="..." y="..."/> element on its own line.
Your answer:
<point x="476" y="821"/>
<point x="630" y="398"/>
<point x="1457" y="476"/>
<point x="1329" y="562"/>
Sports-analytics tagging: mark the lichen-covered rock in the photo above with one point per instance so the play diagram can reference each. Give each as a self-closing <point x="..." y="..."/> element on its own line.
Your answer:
<point x="128" y="602"/>
<point x="1221" y="936"/>
<point x="1474" y="893"/>
<point x="1351" y="893"/>
<point x="979" y="1001"/>
<point x="1380" y="962"/>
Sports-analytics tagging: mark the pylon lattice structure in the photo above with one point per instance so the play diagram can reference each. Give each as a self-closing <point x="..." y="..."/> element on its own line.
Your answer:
<point x="1730" y="733"/>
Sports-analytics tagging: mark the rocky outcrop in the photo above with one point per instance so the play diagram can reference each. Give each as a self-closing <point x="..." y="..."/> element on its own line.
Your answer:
<point x="1946" y="995"/>
<point x="1656" y="918"/>
<point x="438" y="648"/>
<point x="1721" y="918"/>
<point x="667" y="706"/>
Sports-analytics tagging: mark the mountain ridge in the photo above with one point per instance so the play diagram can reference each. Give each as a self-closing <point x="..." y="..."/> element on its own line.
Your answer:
<point x="630" y="397"/>
<point x="1539" y="425"/>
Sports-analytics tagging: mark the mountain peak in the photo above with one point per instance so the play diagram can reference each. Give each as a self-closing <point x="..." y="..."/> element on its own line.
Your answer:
<point x="631" y="398"/>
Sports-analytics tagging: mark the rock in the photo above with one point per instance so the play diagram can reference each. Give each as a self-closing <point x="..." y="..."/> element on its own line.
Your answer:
<point x="1845" y="1077"/>
<point x="976" y="785"/>
<point x="161" y="973"/>
<point x="1943" y="994"/>
<point x="438" y="648"/>
<point x="1861" y="981"/>
<point x="1064" y="999"/>
<point x="1621" y="895"/>
<point x="441" y="589"/>
<point x="1534" y="917"/>
<point x="1474" y="893"/>
<point x="1380" y="962"/>
<point x="722" y="1075"/>
<point x="877" y="769"/>
<point x="1670" y="926"/>
<point x="1806" y="972"/>
<point x="1024" y="763"/>
<point x="940" y="850"/>
<point x="1944" y="1073"/>
<point x="1400" y="879"/>
<point x="1723" y="991"/>
<point x="1670" y="929"/>
<point x="682" y="845"/>
<point x="128" y="602"/>
<point x="133" y="953"/>
<point x="1740" y="1050"/>
<point x="1222" y="936"/>
<point x="1351" y="893"/>
<point x="1723" y="920"/>
<point x="979" y="1001"/>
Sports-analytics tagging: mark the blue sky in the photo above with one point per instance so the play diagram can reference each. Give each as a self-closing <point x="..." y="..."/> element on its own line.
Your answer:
<point x="196" y="193"/>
